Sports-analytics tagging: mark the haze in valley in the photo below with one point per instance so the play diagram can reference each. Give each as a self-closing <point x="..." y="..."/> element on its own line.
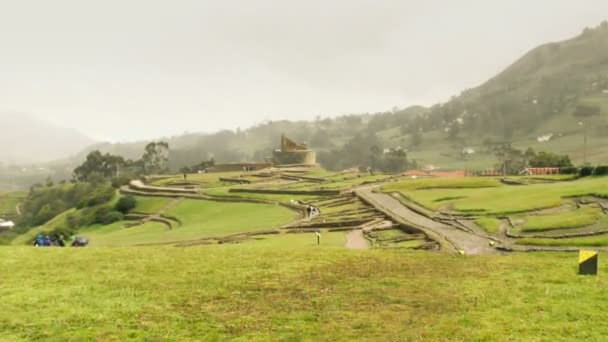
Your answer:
<point x="130" y="70"/>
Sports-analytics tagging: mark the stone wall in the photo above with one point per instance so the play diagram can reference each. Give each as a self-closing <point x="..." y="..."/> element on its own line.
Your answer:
<point x="306" y="157"/>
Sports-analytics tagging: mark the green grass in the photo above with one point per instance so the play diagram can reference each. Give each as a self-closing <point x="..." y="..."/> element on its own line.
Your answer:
<point x="562" y="220"/>
<point x="250" y="292"/>
<point x="300" y="240"/>
<point x="443" y="183"/>
<point x="489" y="224"/>
<point x="150" y="205"/>
<point x="495" y="200"/>
<point x="590" y="241"/>
<point x="200" y="219"/>
<point x="206" y="179"/>
<point x="56" y="222"/>
<point x="8" y="203"/>
<point x="225" y="192"/>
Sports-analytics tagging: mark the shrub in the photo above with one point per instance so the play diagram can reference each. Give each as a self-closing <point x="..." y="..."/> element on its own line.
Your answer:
<point x="99" y="196"/>
<point x="110" y="217"/>
<point x="585" y="171"/>
<point x="125" y="204"/>
<point x="569" y="170"/>
<point x="120" y="181"/>
<point x="601" y="170"/>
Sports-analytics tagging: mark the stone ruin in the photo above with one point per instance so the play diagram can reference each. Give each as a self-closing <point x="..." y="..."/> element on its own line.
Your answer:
<point x="292" y="153"/>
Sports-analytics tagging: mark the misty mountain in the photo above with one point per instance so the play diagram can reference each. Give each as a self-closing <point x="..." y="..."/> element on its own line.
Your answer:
<point x="25" y="139"/>
<point x="534" y="97"/>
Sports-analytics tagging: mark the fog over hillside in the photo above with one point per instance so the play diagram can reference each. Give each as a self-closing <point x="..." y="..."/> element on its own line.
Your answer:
<point x="141" y="69"/>
<point x="25" y="139"/>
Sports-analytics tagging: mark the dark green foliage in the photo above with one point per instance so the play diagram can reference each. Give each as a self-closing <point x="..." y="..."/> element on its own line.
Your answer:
<point x="125" y="204"/>
<point x="570" y="170"/>
<point x="547" y="159"/>
<point x="104" y="165"/>
<point x="99" y="195"/>
<point x="110" y="217"/>
<point x="601" y="170"/>
<point x="585" y="171"/>
<point x="44" y="203"/>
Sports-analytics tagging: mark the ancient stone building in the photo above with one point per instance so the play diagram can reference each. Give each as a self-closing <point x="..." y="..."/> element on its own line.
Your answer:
<point x="292" y="153"/>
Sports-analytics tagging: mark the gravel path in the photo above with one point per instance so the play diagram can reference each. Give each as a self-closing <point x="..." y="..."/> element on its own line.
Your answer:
<point x="460" y="240"/>
<point x="356" y="240"/>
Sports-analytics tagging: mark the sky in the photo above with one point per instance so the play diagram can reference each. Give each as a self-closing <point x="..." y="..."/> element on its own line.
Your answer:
<point x="125" y="70"/>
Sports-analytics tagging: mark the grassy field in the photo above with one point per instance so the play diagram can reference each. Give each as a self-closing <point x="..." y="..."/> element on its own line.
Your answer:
<point x="206" y="180"/>
<point x="225" y="192"/>
<point x="252" y="292"/>
<point x="200" y="219"/>
<point x="562" y="220"/>
<point x="485" y="196"/>
<point x="489" y="224"/>
<point x="589" y="241"/>
<point x="8" y="203"/>
<point x="150" y="205"/>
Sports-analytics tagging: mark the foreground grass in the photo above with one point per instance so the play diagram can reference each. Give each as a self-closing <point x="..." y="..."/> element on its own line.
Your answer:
<point x="307" y="293"/>
<point x="562" y="220"/>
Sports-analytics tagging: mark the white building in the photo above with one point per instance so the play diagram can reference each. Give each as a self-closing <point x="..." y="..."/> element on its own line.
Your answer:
<point x="6" y="224"/>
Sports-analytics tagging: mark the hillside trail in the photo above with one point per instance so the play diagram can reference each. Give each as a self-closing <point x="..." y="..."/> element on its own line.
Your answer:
<point x="159" y="214"/>
<point x="449" y="237"/>
<point x="18" y="209"/>
<point x="356" y="240"/>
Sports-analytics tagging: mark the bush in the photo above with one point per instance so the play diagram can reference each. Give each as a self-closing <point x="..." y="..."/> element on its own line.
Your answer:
<point x="569" y="170"/>
<point x="110" y="217"/>
<point x="99" y="196"/>
<point x="601" y="170"/>
<point x="120" y="181"/>
<point x="585" y="171"/>
<point x="125" y="204"/>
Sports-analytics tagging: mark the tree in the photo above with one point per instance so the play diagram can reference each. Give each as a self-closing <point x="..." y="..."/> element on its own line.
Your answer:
<point x="547" y="159"/>
<point x="156" y="157"/>
<point x="105" y="165"/>
<point x="416" y="138"/>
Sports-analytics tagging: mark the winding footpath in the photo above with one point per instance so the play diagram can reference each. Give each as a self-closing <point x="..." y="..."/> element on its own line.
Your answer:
<point x="356" y="240"/>
<point x="450" y="238"/>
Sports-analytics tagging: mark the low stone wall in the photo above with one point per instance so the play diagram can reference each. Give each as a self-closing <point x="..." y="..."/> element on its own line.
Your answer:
<point x="306" y="157"/>
<point x="288" y="192"/>
<point x="239" y="167"/>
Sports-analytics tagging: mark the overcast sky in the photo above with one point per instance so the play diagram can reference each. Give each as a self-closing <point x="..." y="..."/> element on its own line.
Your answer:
<point x="123" y="70"/>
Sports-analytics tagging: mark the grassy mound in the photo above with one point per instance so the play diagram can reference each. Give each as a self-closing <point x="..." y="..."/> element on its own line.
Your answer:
<point x="8" y="203"/>
<point x="489" y="224"/>
<point x="150" y="205"/>
<point x="200" y="219"/>
<point x="294" y="293"/>
<point x="471" y="197"/>
<point x="562" y="220"/>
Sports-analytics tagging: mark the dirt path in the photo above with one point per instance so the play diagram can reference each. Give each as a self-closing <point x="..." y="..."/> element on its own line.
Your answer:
<point x="458" y="239"/>
<point x="18" y="209"/>
<point x="356" y="240"/>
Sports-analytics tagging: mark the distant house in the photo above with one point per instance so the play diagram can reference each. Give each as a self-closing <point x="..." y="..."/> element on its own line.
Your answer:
<point x="539" y="171"/>
<point x="6" y="224"/>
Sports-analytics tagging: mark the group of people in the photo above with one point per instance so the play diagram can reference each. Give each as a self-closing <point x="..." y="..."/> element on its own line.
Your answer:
<point x="58" y="241"/>
<point x="47" y="241"/>
<point x="312" y="211"/>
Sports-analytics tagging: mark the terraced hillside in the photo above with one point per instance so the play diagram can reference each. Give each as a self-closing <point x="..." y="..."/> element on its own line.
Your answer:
<point x="529" y="214"/>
